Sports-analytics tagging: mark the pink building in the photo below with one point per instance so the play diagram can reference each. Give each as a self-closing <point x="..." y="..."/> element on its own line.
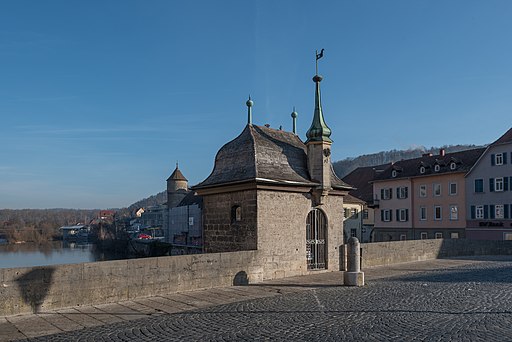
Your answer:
<point x="423" y="198"/>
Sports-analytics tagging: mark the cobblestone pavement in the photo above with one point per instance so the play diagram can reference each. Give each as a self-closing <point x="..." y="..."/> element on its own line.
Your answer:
<point x="471" y="302"/>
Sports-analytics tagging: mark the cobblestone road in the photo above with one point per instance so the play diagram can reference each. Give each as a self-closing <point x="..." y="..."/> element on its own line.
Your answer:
<point x="469" y="303"/>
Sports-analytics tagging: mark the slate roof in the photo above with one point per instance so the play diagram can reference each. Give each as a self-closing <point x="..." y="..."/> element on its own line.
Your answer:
<point x="361" y="179"/>
<point x="177" y="175"/>
<point x="265" y="155"/>
<point x="352" y="200"/>
<point x="191" y="199"/>
<point x="504" y="139"/>
<point x="464" y="161"/>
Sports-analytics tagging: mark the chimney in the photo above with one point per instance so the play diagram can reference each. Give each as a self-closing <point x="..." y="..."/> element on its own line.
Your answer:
<point x="442" y="152"/>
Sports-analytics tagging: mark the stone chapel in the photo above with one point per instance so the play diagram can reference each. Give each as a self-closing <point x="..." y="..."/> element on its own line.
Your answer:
<point x="271" y="192"/>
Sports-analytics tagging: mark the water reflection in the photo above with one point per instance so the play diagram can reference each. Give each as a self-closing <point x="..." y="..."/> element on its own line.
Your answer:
<point x="53" y="253"/>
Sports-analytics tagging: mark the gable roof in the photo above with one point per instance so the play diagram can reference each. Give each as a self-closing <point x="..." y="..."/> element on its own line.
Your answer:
<point x="361" y="178"/>
<point x="504" y="139"/>
<point x="263" y="154"/>
<point x="191" y="199"/>
<point x="464" y="161"/>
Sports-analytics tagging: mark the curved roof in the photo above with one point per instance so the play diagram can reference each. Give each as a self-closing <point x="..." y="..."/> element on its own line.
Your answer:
<point x="265" y="155"/>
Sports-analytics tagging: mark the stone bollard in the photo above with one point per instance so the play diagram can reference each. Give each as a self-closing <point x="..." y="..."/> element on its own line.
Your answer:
<point x="354" y="276"/>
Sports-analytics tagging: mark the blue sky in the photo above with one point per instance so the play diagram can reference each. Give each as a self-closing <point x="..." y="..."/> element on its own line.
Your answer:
<point x="100" y="99"/>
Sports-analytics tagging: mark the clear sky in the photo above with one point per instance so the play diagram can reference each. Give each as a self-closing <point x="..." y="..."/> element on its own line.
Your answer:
<point x="100" y="99"/>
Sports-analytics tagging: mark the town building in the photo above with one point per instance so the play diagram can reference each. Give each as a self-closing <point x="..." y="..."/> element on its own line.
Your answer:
<point x="489" y="192"/>
<point x="182" y="216"/>
<point x="271" y="192"/>
<point x="352" y="217"/>
<point x="423" y="198"/>
<point x="362" y="181"/>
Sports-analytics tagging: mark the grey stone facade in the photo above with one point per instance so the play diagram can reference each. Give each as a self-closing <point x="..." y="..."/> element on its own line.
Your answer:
<point x="271" y="192"/>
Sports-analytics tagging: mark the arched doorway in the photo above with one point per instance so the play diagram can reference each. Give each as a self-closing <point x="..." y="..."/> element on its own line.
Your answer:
<point x="316" y="240"/>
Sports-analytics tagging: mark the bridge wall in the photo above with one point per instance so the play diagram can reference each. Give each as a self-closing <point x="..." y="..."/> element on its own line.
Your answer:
<point x="38" y="289"/>
<point x="388" y="253"/>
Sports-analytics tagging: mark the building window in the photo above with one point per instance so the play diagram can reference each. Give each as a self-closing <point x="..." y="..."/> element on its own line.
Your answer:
<point x="453" y="189"/>
<point x="353" y="232"/>
<point x="236" y="213"/>
<point x="479" y="212"/>
<point x="499" y="159"/>
<point x="498" y="184"/>
<point x="422" y="169"/>
<point x="402" y="215"/>
<point x="423" y="191"/>
<point x="365" y="214"/>
<point x="423" y="213"/>
<point x="354" y="213"/>
<point x="437" y="168"/>
<point x="402" y="192"/>
<point x="437" y="189"/>
<point x="423" y="235"/>
<point x="507" y="236"/>
<point x="346" y="212"/>
<point x="439" y="235"/>
<point x="386" y="194"/>
<point x="454" y="235"/>
<point x="453" y="166"/>
<point x="454" y="213"/>
<point x="403" y="237"/>
<point x="393" y="173"/>
<point x="437" y="213"/>
<point x="499" y="211"/>
<point x="479" y="185"/>
<point x="386" y="215"/>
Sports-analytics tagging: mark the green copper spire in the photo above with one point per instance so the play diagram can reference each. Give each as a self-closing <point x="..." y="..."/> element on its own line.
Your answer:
<point x="319" y="131"/>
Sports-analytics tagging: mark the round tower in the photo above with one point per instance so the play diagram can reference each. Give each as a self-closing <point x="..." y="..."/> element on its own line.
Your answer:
<point x="177" y="188"/>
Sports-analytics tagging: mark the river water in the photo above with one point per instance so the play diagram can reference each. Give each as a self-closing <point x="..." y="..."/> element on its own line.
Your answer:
<point x="52" y="253"/>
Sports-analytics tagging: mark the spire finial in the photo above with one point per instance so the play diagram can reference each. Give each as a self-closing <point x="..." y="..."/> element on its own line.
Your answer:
<point x="249" y="104"/>
<point x="294" y="121"/>
<point x="176" y="164"/>
<point x="319" y="131"/>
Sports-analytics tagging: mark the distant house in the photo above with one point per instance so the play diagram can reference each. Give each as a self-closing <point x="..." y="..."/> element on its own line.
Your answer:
<point x="152" y="216"/>
<point x="353" y="217"/>
<point x="489" y="192"/>
<point x="362" y="181"/>
<point x="183" y="222"/>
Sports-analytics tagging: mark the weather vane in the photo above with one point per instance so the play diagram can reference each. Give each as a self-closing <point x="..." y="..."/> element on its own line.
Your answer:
<point x="318" y="56"/>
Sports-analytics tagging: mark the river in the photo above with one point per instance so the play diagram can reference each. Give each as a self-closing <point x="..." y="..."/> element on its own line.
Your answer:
<point x="52" y="253"/>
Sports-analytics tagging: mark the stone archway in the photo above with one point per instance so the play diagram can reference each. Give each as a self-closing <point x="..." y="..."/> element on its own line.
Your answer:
<point x="316" y="240"/>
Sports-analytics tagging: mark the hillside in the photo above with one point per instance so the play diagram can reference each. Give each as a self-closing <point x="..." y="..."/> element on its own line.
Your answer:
<point x="345" y="166"/>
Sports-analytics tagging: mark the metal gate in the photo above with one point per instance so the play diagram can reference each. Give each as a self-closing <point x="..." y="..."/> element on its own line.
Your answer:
<point x="316" y="246"/>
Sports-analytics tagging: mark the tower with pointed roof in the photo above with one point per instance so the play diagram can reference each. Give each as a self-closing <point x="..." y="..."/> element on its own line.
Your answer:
<point x="319" y="147"/>
<point x="177" y="188"/>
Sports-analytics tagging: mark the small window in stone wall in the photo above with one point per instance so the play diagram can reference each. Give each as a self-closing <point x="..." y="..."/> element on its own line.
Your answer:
<point x="236" y="213"/>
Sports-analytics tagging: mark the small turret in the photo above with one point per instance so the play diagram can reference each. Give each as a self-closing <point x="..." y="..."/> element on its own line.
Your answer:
<point x="177" y="188"/>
